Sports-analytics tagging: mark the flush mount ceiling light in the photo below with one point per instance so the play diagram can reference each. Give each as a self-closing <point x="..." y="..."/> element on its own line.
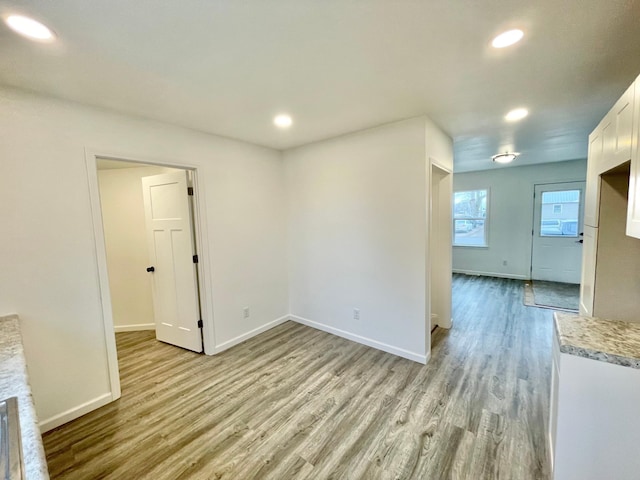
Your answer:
<point x="30" y="28"/>
<point x="507" y="38"/>
<point x="505" y="157"/>
<point x="282" y="121"/>
<point x="516" y="114"/>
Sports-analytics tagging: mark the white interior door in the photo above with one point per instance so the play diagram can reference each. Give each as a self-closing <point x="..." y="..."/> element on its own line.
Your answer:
<point x="557" y="232"/>
<point x="171" y="250"/>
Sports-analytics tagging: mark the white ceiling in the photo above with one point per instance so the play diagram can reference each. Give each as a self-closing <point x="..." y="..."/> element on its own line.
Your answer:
<point x="228" y="66"/>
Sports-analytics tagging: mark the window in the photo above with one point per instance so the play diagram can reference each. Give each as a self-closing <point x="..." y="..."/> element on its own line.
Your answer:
<point x="560" y="213"/>
<point x="470" y="218"/>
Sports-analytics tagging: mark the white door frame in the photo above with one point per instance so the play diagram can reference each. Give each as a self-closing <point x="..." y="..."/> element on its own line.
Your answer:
<point x="200" y="224"/>
<point x="440" y="246"/>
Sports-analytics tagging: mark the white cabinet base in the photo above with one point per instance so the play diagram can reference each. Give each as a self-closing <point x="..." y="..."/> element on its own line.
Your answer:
<point x="597" y="414"/>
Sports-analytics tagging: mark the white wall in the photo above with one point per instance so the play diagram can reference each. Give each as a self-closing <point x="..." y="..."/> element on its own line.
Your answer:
<point x="126" y="245"/>
<point x="438" y="145"/>
<point x="357" y="235"/>
<point x="48" y="255"/>
<point x="510" y="215"/>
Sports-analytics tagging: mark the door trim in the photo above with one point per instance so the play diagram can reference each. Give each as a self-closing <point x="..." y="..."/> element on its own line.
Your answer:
<point x="442" y="245"/>
<point x="201" y="238"/>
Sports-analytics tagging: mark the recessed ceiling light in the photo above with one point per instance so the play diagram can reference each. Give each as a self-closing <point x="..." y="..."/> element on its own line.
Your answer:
<point x="29" y="28"/>
<point x="282" y="121"/>
<point x="505" y="157"/>
<point x="507" y="38"/>
<point x="516" y="114"/>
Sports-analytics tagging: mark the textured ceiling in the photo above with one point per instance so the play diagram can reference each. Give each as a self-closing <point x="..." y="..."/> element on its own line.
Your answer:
<point x="227" y="67"/>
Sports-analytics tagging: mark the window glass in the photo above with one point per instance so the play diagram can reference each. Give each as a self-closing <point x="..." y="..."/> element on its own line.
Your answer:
<point x="559" y="214"/>
<point x="470" y="218"/>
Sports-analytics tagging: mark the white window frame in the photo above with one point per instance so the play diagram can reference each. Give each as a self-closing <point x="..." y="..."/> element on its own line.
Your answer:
<point x="485" y="219"/>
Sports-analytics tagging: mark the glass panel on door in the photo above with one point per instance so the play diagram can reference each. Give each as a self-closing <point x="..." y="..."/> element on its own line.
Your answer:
<point x="560" y="213"/>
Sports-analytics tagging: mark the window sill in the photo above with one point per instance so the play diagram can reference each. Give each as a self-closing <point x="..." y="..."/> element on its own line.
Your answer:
<point x="470" y="246"/>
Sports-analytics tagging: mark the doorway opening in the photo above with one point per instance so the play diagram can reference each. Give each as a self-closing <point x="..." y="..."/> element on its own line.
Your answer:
<point x="147" y="229"/>
<point x="556" y="246"/>
<point x="440" y="237"/>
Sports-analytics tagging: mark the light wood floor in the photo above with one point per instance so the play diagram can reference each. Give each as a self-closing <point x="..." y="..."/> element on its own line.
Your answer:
<point x="297" y="403"/>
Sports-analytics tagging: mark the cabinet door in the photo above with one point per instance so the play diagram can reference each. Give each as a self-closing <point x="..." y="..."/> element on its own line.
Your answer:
<point x="588" y="283"/>
<point x="617" y="128"/>
<point x="597" y="433"/>
<point x="633" y="209"/>
<point x="592" y="191"/>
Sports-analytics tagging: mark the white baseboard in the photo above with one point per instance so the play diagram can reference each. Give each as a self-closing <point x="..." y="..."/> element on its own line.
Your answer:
<point x="134" y="328"/>
<point x="492" y="274"/>
<point x="446" y="326"/>
<point x="416" y="357"/>
<point x="75" y="412"/>
<point x="252" y="333"/>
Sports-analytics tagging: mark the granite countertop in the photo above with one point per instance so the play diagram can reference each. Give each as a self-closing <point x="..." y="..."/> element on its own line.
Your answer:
<point x="610" y="341"/>
<point x="14" y="382"/>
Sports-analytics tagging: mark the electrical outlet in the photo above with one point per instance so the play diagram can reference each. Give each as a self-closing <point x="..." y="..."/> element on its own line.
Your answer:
<point x="504" y="263"/>
<point x="245" y="312"/>
<point x="356" y="314"/>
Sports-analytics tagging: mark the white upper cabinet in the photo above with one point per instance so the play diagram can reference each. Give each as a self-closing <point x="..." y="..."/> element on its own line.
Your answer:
<point x="633" y="209"/>
<point x="615" y="141"/>
<point x="617" y="129"/>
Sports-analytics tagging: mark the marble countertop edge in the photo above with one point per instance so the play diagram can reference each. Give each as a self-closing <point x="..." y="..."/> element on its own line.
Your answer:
<point x="14" y="382"/>
<point x="610" y="341"/>
<point x="601" y="356"/>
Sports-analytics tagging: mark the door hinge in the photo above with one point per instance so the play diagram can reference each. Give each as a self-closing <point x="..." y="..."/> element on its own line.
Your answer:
<point x="195" y="259"/>
<point x="190" y="191"/>
<point x="200" y="324"/>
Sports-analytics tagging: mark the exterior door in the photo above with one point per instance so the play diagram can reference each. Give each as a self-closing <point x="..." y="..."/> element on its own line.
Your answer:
<point x="557" y="232"/>
<point x="171" y="249"/>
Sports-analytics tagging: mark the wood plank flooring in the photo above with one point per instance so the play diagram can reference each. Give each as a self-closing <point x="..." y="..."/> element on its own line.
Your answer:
<point x="297" y="403"/>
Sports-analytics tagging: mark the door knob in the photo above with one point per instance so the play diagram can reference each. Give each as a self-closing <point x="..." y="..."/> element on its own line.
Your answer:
<point x="151" y="269"/>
